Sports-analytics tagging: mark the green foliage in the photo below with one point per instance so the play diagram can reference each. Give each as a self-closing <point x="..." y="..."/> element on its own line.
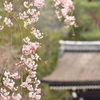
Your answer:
<point x="48" y="94"/>
<point x="49" y="52"/>
<point x="88" y="28"/>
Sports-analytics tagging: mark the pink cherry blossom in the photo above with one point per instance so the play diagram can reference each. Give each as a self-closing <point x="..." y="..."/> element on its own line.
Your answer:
<point x="26" y="40"/>
<point x="29" y="79"/>
<point x="4" y="95"/>
<point x="30" y="87"/>
<point x="8" y="22"/>
<point x="36" y="33"/>
<point x="16" y="96"/>
<point x="37" y="82"/>
<point x="70" y="20"/>
<point x="8" y="82"/>
<point x="34" y="15"/>
<point x="0" y="17"/>
<point x="1" y="27"/>
<point x="30" y="48"/>
<point x="39" y="3"/>
<point x="38" y="97"/>
<point x="32" y="95"/>
<point x="58" y="14"/>
<point x="24" y="84"/>
<point x="38" y="91"/>
<point x="35" y="57"/>
<point x="15" y="75"/>
<point x="23" y="15"/>
<point x="30" y="63"/>
<point x="27" y="22"/>
<point x="67" y="6"/>
<point x="32" y="74"/>
<point x="27" y="4"/>
<point x="8" y="6"/>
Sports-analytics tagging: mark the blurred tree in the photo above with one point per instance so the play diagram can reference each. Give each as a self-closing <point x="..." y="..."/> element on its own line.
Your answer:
<point x="88" y="21"/>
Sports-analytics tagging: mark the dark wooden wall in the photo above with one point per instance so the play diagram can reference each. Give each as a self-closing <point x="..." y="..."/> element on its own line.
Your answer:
<point x="88" y="95"/>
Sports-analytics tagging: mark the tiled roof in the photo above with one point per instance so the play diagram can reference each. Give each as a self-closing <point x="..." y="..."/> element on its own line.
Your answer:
<point x="75" y="87"/>
<point x="77" y="68"/>
<point x="80" y="45"/>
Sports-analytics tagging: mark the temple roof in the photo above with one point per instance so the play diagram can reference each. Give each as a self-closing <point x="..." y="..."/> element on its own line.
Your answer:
<point x="75" y="67"/>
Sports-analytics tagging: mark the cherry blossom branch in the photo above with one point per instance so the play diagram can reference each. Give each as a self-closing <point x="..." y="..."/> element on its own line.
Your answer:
<point x="29" y="58"/>
<point x="28" y="49"/>
<point x="63" y="8"/>
<point x="21" y="34"/>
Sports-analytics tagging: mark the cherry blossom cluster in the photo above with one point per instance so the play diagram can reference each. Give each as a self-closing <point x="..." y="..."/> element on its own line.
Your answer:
<point x="39" y="3"/>
<point x="63" y="7"/>
<point x="4" y="94"/>
<point x="36" y="33"/>
<point x="29" y="58"/>
<point x="8" y="81"/>
<point x="28" y="63"/>
<point x="7" y="21"/>
<point x="36" y="3"/>
<point x="30" y="47"/>
<point x="16" y="96"/>
<point x="31" y="14"/>
<point x="1" y="26"/>
<point x="8" y="6"/>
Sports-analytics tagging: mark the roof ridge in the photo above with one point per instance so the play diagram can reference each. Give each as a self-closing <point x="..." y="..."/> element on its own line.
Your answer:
<point x="62" y="42"/>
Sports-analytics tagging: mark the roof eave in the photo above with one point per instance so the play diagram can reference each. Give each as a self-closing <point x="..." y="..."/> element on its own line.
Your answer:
<point x="70" y="83"/>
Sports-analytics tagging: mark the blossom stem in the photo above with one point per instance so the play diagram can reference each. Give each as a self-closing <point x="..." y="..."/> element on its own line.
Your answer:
<point x="73" y="32"/>
<point x="21" y="34"/>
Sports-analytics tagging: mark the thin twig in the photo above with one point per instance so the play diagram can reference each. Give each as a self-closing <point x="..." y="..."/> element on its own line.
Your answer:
<point x="21" y="35"/>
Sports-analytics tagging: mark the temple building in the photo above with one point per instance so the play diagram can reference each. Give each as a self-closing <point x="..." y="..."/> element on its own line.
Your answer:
<point x="77" y="70"/>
